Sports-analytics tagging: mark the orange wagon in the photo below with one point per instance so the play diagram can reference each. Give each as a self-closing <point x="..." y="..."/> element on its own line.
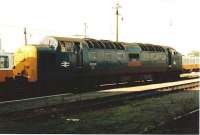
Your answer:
<point x="190" y="64"/>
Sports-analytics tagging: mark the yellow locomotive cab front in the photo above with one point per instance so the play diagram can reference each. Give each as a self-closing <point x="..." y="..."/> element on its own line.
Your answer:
<point x="25" y="63"/>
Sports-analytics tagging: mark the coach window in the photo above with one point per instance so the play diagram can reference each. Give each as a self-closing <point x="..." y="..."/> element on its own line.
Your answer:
<point x="133" y="57"/>
<point x="4" y="63"/>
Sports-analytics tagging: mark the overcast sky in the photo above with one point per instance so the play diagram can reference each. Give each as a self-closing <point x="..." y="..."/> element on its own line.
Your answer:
<point x="175" y="23"/>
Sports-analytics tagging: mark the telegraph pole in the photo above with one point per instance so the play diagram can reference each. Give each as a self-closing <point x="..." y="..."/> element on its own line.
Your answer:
<point x="117" y="21"/>
<point x="25" y="36"/>
<point x="85" y="30"/>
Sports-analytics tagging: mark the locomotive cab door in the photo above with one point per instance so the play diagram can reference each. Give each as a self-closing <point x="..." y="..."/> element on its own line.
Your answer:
<point x="78" y="54"/>
<point x="169" y="57"/>
<point x="172" y="59"/>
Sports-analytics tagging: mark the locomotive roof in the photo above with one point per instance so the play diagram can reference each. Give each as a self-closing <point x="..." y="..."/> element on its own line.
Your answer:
<point x="74" y="39"/>
<point x="143" y="46"/>
<point x="66" y="38"/>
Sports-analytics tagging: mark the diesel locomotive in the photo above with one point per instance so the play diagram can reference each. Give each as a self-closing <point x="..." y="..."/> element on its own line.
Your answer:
<point x="72" y="61"/>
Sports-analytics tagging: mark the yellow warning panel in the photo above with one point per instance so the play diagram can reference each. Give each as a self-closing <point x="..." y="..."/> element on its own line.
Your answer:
<point x="25" y="62"/>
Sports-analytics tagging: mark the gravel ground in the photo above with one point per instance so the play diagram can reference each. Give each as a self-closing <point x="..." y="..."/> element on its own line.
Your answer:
<point x="138" y="116"/>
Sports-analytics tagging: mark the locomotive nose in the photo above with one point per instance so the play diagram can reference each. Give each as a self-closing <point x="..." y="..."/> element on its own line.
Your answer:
<point x="25" y="63"/>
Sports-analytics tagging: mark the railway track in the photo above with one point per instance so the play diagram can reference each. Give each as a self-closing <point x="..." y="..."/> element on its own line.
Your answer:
<point x="46" y="105"/>
<point x="24" y="93"/>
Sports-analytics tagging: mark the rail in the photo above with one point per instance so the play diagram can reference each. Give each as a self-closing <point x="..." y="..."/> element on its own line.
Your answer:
<point x="94" y="98"/>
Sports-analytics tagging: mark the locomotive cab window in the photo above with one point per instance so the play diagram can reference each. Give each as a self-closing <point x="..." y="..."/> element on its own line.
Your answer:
<point x="66" y="46"/>
<point x="4" y="62"/>
<point x="133" y="56"/>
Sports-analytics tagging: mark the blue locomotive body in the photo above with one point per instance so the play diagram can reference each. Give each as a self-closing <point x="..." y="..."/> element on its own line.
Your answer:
<point x="71" y="61"/>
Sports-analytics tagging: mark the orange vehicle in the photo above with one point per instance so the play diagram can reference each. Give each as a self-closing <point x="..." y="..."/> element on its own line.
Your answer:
<point x="6" y="63"/>
<point x="190" y="64"/>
